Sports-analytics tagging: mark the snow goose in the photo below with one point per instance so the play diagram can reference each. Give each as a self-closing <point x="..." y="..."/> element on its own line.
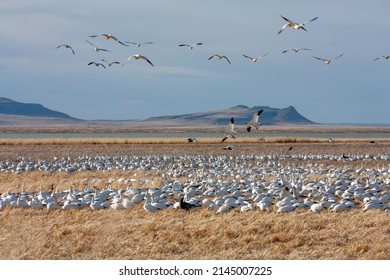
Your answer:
<point x="382" y="56"/>
<point x="327" y="61"/>
<point x="295" y="25"/>
<point x="138" y="44"/>
<point x="111" y="63"/>
<point x="66" y="46"/>
<point x="191" y="140"/>
<point x="230" y="132"/>
<point x="97" y="64"/>
<point x="295" y="50"/>
<point x="138" y="56"/>
<point x="190" y="46"/>
<point x="255" y="121"/>
<point x="148" y="204"/>
<point x="220" y="57"/>
<point x="97" y="48"/>
<point x="254" y="59"/>
<point x="108" y="36"/>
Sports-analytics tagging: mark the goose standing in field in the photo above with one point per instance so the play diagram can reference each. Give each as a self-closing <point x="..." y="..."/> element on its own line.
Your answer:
<point x="108" y="36"/>
<point x="97" y="48"/>
<point x="138" y="56"/>
<point x="66" y="46"/>
<point x="295" y="25"/>
<point x="186" y="205"/>
<point x="382" y="56"/>
<point x="190" y="46"/>
<point x="138" y="44"/>
<point x="254" y="59"/>
<point x="192" y="140"/>
<point x="220" y="57"/>
<point x="295" y="50"/>
<point x="328" y="61"/>
<point x="230" y="132"/>
<point x="97" y="64"/>
<point x="255" y="121"/>
<point x="228" y="147"/>
<point x="111" y="63"/>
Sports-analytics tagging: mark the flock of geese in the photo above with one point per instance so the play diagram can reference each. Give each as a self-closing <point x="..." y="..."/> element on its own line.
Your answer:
<point x="288" y="24"/>
<point x="274" y="183"/>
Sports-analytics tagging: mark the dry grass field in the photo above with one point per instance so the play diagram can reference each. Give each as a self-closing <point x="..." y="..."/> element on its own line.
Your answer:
<point x="175" y="234"/>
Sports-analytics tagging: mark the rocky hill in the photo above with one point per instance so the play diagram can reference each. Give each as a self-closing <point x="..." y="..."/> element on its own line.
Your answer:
<point x="242" y="114"/>
<point x="10" y="107"/>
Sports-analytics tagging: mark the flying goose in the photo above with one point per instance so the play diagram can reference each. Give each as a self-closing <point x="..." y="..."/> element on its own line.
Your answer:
<point x="230" y="132"/>
<point x="138" y="56"/>
<point x="96" y="48"/>
<point x="190" y="46"/>
<point x="111" y="63"/>
<point x="382" y="56"/>
<point x="108" y="36"/>
<point x="295" y="50"/>
<point x="255" y="121"/>
<point x="295" y="25"/>
<point x="191" y="140"/>
<point x="138" y="44"/>
<point x="220" y="57"/>
<point x="66" y="46"/>
<point x="254" y="59"/>
<point x="327" y="61"/>
<point x="97" y="64"/>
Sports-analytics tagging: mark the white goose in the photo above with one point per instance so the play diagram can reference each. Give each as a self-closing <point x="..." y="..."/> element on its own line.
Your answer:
<point x="230" y="132"/>
<point x="220" y="57"/>
<point x="138" y="56"/>
<point x="295" y="50"/>
<point x="97" y="48"/>
<point x="295" y="25"/>
<point x="190" y="46"/>
<point x="108" y="36"/>
<point x="138" y="44"/>
<point x="66" y="46"/>
<point x="255" y="121"/>
<point x="254" y="59"/>
<point x="328" y="61"/>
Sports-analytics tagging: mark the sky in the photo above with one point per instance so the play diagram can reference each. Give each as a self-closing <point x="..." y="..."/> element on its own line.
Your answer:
<point x="352" y="89"/>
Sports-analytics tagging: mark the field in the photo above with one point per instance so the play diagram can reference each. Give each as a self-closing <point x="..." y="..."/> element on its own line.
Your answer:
<point x="177" y="234"/>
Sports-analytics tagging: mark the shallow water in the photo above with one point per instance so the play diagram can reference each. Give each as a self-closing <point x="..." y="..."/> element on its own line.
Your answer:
<point x="186" y="135"/>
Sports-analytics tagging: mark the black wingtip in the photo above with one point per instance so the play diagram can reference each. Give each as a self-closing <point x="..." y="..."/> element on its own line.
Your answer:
<point x="259" y="112"/>
<point x="248" y="129"/>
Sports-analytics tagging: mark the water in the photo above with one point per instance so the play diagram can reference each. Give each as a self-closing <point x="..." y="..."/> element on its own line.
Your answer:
<point x="187" y="135"/>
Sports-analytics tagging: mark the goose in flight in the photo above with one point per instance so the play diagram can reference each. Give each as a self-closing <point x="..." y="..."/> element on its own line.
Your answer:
<point x="190" y="46"/>
<point x="111" y="63"/>
<point x="96" y="48"/>
<point x="66" y="46"/>
<point x="191" y="140"/>
<point x="220" y="57"/>
<point x="382" y="56"/>
<point x="295" y="50"/>
<point x="138" y="56"/>
<point x="295" y="25"/>
<point x="138" y="44"/>
<point x="108" y="36"/>
<point x="230" y="132"/>
<point x="255" y="121"/>
<point x="327" y="61"/>
<point x="254" y="59"/>
<point x="97" y="64"/>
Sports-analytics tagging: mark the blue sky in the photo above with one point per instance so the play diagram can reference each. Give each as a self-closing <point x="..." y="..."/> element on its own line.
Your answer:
<point x="352" y="89"/>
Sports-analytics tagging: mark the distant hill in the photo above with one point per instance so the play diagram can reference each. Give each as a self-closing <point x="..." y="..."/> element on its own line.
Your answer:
<point x="10" y="107"/>
<point x="242" y="114"/>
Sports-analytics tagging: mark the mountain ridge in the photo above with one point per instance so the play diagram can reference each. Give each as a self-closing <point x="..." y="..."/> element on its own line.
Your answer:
<point x="18" y="113"/>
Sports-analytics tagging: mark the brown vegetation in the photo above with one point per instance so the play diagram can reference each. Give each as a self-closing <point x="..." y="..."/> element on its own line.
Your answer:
<point x="174" y="234"/>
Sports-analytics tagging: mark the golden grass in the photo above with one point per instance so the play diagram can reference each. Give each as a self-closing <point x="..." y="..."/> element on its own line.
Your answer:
<point x="200" y="234"/>
<point x="173" y="234"/>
